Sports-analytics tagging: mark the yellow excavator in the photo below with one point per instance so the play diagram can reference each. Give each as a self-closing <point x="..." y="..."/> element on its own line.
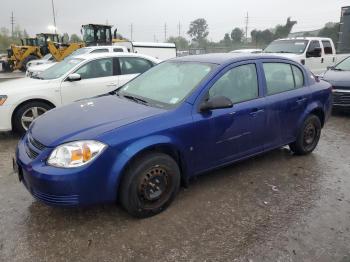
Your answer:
<point x="35" y="48"/>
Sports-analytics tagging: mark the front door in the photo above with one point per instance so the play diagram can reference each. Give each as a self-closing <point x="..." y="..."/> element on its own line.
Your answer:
<point x="228" y="134"/>
<point x="97" y="77"/>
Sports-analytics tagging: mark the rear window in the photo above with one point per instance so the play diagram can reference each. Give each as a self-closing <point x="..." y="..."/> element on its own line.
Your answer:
<point x="327" y="47"/>
<point x="282" y="77"/>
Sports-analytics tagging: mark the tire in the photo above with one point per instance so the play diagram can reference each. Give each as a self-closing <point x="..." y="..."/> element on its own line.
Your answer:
<point x="26" y="61"/>
<point x="28" y="110"/>
<point x="153" y="171"/>
<point x="308" y="136"/>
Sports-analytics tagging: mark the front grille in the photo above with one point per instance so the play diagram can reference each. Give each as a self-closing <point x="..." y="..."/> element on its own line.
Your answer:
<point x="341" y="87"/>
<point x="67" y="200"/>
<point x="36" y="143"/>
<point x="341" y="98"/>
<point x="31" y="153"/>
<point x="33" y="147"/>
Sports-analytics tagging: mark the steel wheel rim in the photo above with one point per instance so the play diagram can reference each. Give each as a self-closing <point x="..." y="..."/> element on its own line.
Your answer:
<point x="30" y="115"/>
<point x="154" y="187"/>
<point x="310" y="134"/>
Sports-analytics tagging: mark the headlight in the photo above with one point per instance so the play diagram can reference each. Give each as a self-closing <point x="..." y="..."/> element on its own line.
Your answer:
<point x="2" y="100"/>
<point x="75" y="154"/>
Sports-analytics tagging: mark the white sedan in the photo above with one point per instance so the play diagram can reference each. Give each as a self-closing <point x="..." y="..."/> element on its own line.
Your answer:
<point x="23" y="100"/>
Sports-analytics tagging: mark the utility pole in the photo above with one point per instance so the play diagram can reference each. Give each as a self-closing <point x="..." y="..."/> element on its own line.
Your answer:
<point x="131" y="31"/>
<point x="12" y="23"/>
<point x="54" y="16"/>
<point x="179" y="29"/>
<point x="246" y="27"/>
<point x="165" y="32"/>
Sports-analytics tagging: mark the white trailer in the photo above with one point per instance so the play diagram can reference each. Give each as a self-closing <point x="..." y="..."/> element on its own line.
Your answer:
<point x="161" y="51"/>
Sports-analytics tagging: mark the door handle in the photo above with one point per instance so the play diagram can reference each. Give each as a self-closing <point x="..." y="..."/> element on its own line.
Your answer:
<point x="322" y="60"/>
<point x="301" y="100"/>
<point x="256" y="111"/>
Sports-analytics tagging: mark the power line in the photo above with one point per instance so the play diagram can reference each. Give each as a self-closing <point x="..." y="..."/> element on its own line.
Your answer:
<point x="54" y="16"/>
<point x="246" y="27"/>
<point x="165" y="32"/>
<point x="12" y="23"/>
<point x="131" y="31"/>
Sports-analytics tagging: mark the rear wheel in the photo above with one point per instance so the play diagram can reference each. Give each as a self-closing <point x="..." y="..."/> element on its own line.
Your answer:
<point x="27" y="113"/>
<point x="308" y="136"/>
<point x="149" y="185"/>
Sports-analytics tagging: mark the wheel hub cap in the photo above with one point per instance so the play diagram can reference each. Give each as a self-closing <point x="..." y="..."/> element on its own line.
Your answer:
<point x="30" y="115"/>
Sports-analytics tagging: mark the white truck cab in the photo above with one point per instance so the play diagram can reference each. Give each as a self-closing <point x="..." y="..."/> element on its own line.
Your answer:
<point x="316" y="53"/>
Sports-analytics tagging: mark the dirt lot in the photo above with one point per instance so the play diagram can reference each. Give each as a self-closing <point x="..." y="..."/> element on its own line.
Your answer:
<point x="275" y="207"/>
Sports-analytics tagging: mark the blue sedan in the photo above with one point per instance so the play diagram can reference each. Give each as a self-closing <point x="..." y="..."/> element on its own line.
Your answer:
<point x="180" y="119"/>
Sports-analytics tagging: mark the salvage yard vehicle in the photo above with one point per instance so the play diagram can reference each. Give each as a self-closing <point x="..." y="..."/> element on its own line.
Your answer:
<point x="339" y="77"/>
<point x="316" y="53"/>
<point x="35" y="70"/>
<point x="181" y="118"/>
<point x="87" y="75"/>
<point x="47" y="59"/>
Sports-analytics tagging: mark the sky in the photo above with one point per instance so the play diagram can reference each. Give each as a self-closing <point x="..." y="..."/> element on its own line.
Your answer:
<point x="148" y="17"/>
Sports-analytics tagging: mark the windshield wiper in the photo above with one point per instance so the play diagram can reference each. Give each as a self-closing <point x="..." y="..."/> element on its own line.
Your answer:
<point x="337" y="69"/>
<point x="136" y="99"/>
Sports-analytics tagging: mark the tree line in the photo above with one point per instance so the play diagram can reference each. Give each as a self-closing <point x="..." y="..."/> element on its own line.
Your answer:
<point x="199" y="30"/>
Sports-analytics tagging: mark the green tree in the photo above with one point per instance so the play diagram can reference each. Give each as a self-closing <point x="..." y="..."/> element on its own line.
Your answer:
<point x="65" y="38"/>
<point x="330" y="30"/>
<point x="282" y="31"/>
<point x="227" y="40"/>
<point x="181" y="42"/>
<point x="237" y="35"/>
<point x="75" y="38"/>
<point x="198" y="31"/>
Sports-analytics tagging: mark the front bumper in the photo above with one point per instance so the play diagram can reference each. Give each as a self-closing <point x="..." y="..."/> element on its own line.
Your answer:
<point x="5" y="118"/>
<point x="80" y="186"/>
<point x="341" y="98"/>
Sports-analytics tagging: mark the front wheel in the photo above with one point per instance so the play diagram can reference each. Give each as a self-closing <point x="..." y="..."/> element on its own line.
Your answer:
<point x="149" y="185"/>
<point x="308" y="136"/>
<point x="27" y="113"/>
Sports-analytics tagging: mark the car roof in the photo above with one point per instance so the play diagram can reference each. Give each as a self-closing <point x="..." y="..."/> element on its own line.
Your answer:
<point x="225" y="58"/>
<point x="112" y="54"/>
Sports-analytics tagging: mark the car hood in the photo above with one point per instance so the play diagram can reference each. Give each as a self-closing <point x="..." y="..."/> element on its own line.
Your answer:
<point x="337" y="78"/>
<point x="87" y="119"/>
<point x="24" y="84"/>
<point x="41" y="67"/>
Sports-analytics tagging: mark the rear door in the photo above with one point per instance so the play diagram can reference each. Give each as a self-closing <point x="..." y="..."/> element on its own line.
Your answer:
<point x="231" y="133"/>
<point x="98" y="77"/>
<point x="287" y="96"/>
<point x="130" y="67"/>
<point x="329" y="53"/>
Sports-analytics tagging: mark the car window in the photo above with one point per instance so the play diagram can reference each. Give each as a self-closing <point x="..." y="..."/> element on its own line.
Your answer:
<point x="96" y="68"/>
<point x="298" y="77"/>
<point x="327" y="47"/>
<point x="134" y="65"/>
<point x="118" y="50"/>
<point x="279" y="77"/>
<point x="238" y="84"/>
<point x="313" y="45"/>
<point x="104" y="50"/>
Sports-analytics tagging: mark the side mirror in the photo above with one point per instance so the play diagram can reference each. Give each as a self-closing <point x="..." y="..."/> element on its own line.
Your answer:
<point x="73" y="77"/>
<point x="217" y="102"/>
<point x="314" y="53"/>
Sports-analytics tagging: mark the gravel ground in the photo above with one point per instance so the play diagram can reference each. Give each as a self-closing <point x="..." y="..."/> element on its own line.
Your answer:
<point x="275" y="207"/>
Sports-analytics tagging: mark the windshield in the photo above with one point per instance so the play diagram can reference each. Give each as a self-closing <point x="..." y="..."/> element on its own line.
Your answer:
<point x="343" y="65"/>
<point x="287" y="46"/>
<point x="167" y="84"/>
<point x="80" y="51"/>
<point x="59" y="69"/>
